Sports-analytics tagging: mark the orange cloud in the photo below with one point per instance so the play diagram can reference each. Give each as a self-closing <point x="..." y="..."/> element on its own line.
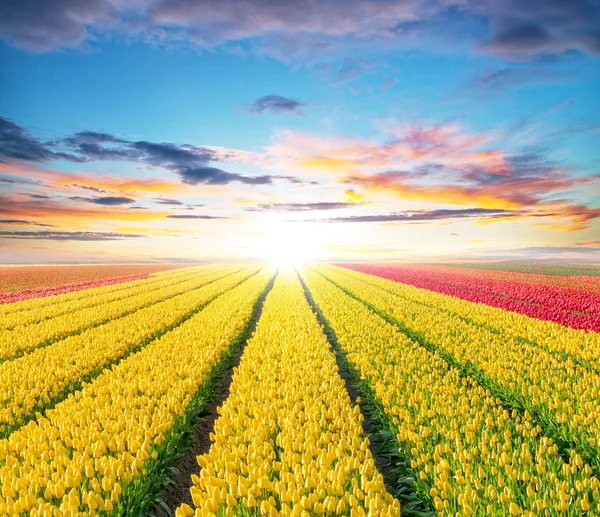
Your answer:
<point x="55" y="211"/>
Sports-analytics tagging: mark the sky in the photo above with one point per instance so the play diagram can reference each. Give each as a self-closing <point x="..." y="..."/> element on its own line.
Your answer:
<point x="340" y="130"/>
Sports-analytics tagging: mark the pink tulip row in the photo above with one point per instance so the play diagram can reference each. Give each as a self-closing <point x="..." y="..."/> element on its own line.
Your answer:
<point x="40" y="292"/>
<point x="580" y="282"/>
<point x="570" y="307"/>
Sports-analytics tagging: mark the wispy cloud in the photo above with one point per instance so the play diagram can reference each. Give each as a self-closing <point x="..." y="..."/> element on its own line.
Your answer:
<point x="193" y="216"/>
<point x="22" y="222"/>
<point x="298" y="207"/>
<point x="69" y="236"/>
<point x="500" y="79"/>
<point x="416" y="216"/>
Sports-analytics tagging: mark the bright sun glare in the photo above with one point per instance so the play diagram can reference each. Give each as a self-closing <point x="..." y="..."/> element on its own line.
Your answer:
<point x="289" y="244"/>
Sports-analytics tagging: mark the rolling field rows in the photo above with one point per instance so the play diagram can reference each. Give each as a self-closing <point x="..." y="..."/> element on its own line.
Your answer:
<point x="463" y="408"/>
<point x="572" y="307"/>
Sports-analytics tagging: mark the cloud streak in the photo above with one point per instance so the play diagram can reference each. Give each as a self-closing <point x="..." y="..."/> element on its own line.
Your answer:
<point x="192" y="216"/>
<point x="69" y="236"/>
<point x="418" y="216"/>
<point x="299" y="207"/>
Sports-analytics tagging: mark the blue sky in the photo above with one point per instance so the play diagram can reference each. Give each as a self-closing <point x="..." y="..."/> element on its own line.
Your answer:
<point x="368" y="130"/>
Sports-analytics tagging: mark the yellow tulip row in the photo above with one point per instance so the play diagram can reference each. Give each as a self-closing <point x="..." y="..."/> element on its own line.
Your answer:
<point x="469" y="455"/>
<point x="39" y="303"/>
<point x="561" y="394"/>
<point x="580" y="344"/>
<point x="97" y="297"/>
<point x="20" y="340"/>
<point x="95" y="452"/>
<point x="36" y="380"/>
<point x="288" y="441"/>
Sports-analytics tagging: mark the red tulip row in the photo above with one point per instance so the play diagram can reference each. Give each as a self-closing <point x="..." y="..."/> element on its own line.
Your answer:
<point x="564" y="306"/>
<point x="40" y="292"/>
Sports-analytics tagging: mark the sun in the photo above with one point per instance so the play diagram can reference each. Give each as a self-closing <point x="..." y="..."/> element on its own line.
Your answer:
<point x="288" y="244"/>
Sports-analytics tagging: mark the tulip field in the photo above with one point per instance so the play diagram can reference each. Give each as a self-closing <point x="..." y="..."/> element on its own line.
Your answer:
<point x="357" y="390"/>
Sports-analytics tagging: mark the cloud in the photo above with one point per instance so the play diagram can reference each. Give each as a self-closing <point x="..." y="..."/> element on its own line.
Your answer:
<point x="415" y="216"/>
<point x="23" y="222"/>
<point x="163" y="201"/>
<point x="543" y="27"/>
<point x="112" y="200"/>
<point x="352" y="69"/>
<point x="85" y="187"/>
<point x="190" y="216"/>
<point x="69" y="236"/>
<point x="17" y="144"/>
<point x="276" y="104"/>
<point x="105" y="201"/>
<point x="14" y="221"/>
<point x="216" y="176"/>
<point x="190" y="163"/>
<point x="504" y="78"/>
<point x="298" y="207"/>
<point x="445" y="164"/>
<point x="20" y="206"/>
<point x="507" y="28"/>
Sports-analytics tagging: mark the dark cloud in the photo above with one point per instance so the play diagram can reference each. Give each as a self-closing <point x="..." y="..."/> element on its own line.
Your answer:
<point x="17" y="144"/>
<point x="93" y="189"/>
<point x="41" y="25"/>
<point x="425" y="215"/>
<point x="215" y="176"/>
<point x="541" y="28"/>
<point x="38" y="196"/>
<point x="105" y="201"/>
<point x="70" y="236"/>
<point x="14" y="221"/>
<point x="96" y="136"/>
<point x="508" y="28"/>
<point x="163" y="201"/>
<point x="191" y="163"/>
<point x="276" y="104"/>
<point x="23" y="222"/>
<point x="112" y="200"/>
<point x="298" y="207"/>
<point x="190" y="216"/>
